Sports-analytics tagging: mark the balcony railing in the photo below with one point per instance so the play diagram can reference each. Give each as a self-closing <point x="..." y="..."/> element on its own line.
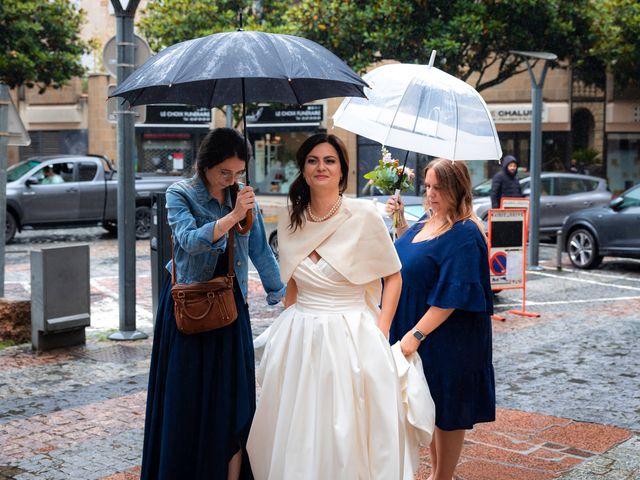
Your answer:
<point x="586" y="93"/>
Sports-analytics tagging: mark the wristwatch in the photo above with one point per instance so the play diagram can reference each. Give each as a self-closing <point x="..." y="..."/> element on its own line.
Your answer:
<point x="418" y="334"/>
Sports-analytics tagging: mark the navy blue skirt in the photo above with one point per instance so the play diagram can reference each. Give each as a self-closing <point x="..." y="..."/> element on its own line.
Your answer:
<point x="201" y="397"/>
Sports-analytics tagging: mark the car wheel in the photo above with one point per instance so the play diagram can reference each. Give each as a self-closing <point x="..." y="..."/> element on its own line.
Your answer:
<point x="273" y="242"/>
<point x="11" y="228"/>
<point x="143" y="222"/>
<point x="583" y="249"/>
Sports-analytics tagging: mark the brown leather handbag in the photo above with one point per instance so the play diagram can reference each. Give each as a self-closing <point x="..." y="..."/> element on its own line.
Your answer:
<point x="203" y="306"/>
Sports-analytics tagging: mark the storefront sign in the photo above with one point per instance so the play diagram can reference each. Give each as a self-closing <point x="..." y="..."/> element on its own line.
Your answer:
<point x="515" y="113"/>
<point x="306" y="114"/>
<point x="178" y="114"/>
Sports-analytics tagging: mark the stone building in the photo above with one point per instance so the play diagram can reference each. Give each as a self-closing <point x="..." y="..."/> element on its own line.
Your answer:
<point x="73" y="119"/>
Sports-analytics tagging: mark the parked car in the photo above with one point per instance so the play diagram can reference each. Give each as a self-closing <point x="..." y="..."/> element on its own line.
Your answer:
<point x="413" y="210"/>
<point x="605" y="231"/>
<point x="71" y="191"/>
<point x="561" y="194"/>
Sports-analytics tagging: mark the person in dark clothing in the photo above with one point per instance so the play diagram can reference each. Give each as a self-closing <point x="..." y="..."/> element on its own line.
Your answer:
<point x="575" y="167"/>
<point x="201" y="396"/>
<point x="505" y="183"/>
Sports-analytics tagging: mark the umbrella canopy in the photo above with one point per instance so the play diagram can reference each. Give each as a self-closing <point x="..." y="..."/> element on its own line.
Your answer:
<point x="422" y="109"/>
<point x="239" y="67"/>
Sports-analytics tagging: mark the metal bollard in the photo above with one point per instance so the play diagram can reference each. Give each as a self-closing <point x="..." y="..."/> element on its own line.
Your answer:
<point x="559" y="248"/>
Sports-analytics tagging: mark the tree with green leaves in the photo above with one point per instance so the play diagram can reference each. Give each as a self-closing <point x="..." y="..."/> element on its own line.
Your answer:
<point x="473" y="39"/>
<point x="167" y="22"/>
<point x="616" y="30"/>
<point x="40" y="42"/>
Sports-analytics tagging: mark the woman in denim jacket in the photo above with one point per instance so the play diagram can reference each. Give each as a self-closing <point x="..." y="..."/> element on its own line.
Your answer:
<point x="201" y="396"/>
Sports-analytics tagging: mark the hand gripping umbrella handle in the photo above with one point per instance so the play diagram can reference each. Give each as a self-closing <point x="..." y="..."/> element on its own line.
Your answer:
<point x="241" y="227"/>
<point x="248" y="222"/>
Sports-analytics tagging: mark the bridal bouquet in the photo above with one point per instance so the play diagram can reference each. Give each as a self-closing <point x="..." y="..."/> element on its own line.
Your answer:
<point x="386" y="177"/>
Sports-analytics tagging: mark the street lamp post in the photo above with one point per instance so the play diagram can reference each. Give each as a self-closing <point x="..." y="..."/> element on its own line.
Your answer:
<point x="535" y="157"/>
<point x="125" y="13"/>
<point x="4" y="142"/>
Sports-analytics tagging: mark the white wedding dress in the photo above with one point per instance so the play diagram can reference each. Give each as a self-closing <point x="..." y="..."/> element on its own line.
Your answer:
<point x="331" y="407"/>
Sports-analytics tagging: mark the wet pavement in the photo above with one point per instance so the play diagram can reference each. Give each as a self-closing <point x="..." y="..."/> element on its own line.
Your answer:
<point x="568" y="383"/>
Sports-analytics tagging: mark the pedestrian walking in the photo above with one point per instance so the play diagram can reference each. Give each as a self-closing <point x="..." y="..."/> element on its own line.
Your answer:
<point x="576" y="167"/>
<point x="505" y="183"/>
<point x="445" y="308"/>
<point x="201" y="396"/>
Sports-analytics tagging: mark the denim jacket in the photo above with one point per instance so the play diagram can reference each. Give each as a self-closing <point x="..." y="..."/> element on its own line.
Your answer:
<point x="192" y="215"/>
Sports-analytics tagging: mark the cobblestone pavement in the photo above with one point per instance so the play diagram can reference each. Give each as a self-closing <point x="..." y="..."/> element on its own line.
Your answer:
<point x="568" y="381"/>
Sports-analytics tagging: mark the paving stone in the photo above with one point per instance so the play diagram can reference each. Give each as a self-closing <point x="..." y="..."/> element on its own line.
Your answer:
<point x="78" y="413"/>
<point x="587" y="436"/>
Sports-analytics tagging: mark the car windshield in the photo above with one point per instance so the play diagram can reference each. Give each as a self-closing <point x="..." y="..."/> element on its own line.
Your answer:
<point x="631" y="197"/>
<point x="482" y="189"/>
<point x="14" y="172"/>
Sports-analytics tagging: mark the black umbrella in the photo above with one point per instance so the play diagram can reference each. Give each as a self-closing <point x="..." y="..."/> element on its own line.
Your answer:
<point x="212" y="70"/>
<point x="241" y="67"/>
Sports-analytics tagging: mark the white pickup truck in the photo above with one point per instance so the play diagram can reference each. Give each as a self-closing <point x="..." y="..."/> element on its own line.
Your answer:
<point x="71" y="191"/>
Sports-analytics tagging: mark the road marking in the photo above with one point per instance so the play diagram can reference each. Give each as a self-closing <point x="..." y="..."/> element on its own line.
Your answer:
<point x="582" y="280"/>
<point x="595" y="274"/>
<point x="564" y="302"/>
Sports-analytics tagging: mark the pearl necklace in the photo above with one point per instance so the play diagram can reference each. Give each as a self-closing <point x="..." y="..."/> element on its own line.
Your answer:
<point x="331" y="212"/>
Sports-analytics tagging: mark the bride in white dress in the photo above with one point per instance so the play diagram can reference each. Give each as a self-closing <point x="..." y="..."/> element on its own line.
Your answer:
<point x="331" y="404"/>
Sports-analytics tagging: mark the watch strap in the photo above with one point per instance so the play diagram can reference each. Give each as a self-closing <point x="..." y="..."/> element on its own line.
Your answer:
<point x="418" y="334"/>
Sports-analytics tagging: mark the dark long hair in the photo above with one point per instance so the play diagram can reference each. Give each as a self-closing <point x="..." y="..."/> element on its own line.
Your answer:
<point x="219" y="145"/>
<point x="299" y="192"/>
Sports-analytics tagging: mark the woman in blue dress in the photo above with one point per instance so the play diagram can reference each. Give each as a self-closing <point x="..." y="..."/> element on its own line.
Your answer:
<point x="201" y="396"/>
<point x="445" y="308"/>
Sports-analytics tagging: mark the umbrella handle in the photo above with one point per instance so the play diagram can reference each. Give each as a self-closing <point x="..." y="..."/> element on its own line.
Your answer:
<point x="243" y="226"/>
<point x="248" y="222"/>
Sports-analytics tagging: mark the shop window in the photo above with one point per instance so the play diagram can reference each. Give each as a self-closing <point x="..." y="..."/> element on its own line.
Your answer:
<point x="274" y="167"/>
<point x="369" y="154"/>
<point x="623" y="160"/>
<point x="166" y="153"/>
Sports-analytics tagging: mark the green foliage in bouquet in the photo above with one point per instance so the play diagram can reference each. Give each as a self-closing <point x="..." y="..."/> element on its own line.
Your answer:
<point x="385" y="176"/>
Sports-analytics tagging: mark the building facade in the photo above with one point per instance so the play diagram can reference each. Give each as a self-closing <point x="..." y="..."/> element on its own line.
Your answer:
<point x="604" y="126"/>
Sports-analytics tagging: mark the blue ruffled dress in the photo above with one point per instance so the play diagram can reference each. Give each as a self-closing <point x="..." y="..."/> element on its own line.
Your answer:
<point x="451" y="271"/>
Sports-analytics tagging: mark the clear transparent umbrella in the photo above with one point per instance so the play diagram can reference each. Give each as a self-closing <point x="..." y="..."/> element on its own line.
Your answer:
<point x="422" y="109"/>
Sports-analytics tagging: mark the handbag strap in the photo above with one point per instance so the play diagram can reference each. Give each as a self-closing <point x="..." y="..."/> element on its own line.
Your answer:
<point x="230" y="245"/>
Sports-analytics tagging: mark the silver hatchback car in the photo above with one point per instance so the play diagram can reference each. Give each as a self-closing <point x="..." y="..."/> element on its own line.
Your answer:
<point x="561" y="194"/>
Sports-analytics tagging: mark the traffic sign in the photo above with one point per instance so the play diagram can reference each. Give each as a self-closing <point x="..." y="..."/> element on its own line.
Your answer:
<point x="109" y="54"/>
<point x="498" y="263"/>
